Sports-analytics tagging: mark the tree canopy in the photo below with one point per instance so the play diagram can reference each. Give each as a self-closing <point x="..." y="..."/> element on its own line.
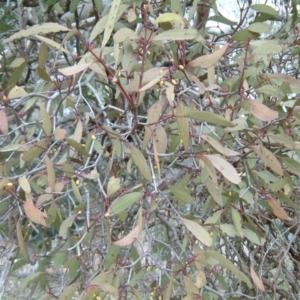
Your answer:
<point x="150" y="149"/>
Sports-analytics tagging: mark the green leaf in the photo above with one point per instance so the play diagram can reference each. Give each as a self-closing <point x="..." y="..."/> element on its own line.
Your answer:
<point x="181" y="194"/>
<point x="34" y="151"/>
<point x="4" y="27"/>
<point x="65" y="225"/>
<point x="183" y="126"/>
<point x="37" y="29"/>
<point x="47" y="124"/>
<point x="21" y="242"/>
<point x="206" y="117"/>
<point x="209" y="60"/>
<point x="140" y="162"/>
<point x="77" y="146"/>
<point x="259" y="27"/>
<point x="229" y="265"/>
<point x="169" y="17"/>
<point x="176" y="35"/>
<point x="225" y="168"/>
<point x="29" y="280"/>
<point x="253" y="237"/>
<point x="53" y="44"/>
<point x="237" y="220"/>
<point x="266" y="9"/>
<point x="68" y="292"/>
<point x="268" y="158"/>
<point x="98" y="28"/>
<point x="214" y="191"/>
<point x="125" y="34"/>
<point x="16" y="75"/>
<point x="198" y="231"/>
<point x="215" y="144"/>
<point x="123" y="202"/>
<point x="112" y="18"/>
<point x="73" y="5"/>
<point x="271" y="90"/>
<point x="76" y="191"/>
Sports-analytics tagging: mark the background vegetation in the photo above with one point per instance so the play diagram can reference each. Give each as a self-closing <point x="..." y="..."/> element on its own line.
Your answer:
<point x="150" y="150"/>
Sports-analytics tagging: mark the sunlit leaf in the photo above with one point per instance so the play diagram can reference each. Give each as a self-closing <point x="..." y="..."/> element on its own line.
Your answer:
<point x="225" y="168"/>
<point x="198" y="231"/>
<point x="176" y="35"/>
<point x="36" y="29"/>
<point x="24" y="184"/>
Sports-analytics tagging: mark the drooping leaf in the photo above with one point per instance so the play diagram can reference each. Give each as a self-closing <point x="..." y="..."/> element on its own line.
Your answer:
<point x="140" y="161"/>
<point x="198" y="231"/>
<point x="24" y="184"/>
<point x="123" y="202"/>
<point x="53" y="44"/>
<point x="65" y="225"/>
<point x="3" y="122"/>
<point x="34" y="214"/>
<point x="21" y="242"/>
<point x="256" y="279"/>
<point x="268" y="158"/>
<point x="278" y="210"/>
<point x="237" y="220"/>
<point x="112" y="18"/>
<point x="225" y="168"/>
<point x="229" y="265"/>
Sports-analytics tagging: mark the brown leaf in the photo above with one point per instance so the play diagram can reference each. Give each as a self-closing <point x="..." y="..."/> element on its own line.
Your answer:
<point x="262" y="112"/>
<point x="256" y="279"/>
<point x="278" y="210"/>
<point x="34" y="214"/>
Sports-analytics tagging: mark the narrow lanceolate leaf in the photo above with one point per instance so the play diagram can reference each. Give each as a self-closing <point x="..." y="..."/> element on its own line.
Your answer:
<point x="76" y="191"/>
<point x="98" y="28"/>
<point x="169" y="17"/>
<point x="205" y="116"/>
<point x="215" y="192"/>
<point x="262" y="112"/>
<point x="37" y="29"/>
<point x="237" y="220"/>
<point x="47" y="124"/>
<point x="24" y="184"/>
<point x="123" y="202"/>
<point x="198" y="231"/>
<point x="113" y="185"/>
<point x="34" y="151"/>
<point x="52" y="44"/>
<point x="160" y="139"/>
<point x="65" y="225"/>
<point x="125" y="34"/>
<point x="181" y="194"/>
<point x="229" y="265"/>
<point x="223" y="166"/>
<point x="69" y="71"/>
<point x="206" y="61"/>
<point x="21" y="242"/>
<point x="183" y="126"/>
<point x="112" y="18"/>
<point x="268" y="158"/>
<point x="34" y="214"/>
<point x="277" y="209"/>
<point x="140" y="162"/>
<point x="256" y="279"/>
<point x="50" y="172"/>
<point x="131" y="237"/>
<point x="176" y="35"/>
<point x="3" y="122"/>
<point x="221" y="149"/>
